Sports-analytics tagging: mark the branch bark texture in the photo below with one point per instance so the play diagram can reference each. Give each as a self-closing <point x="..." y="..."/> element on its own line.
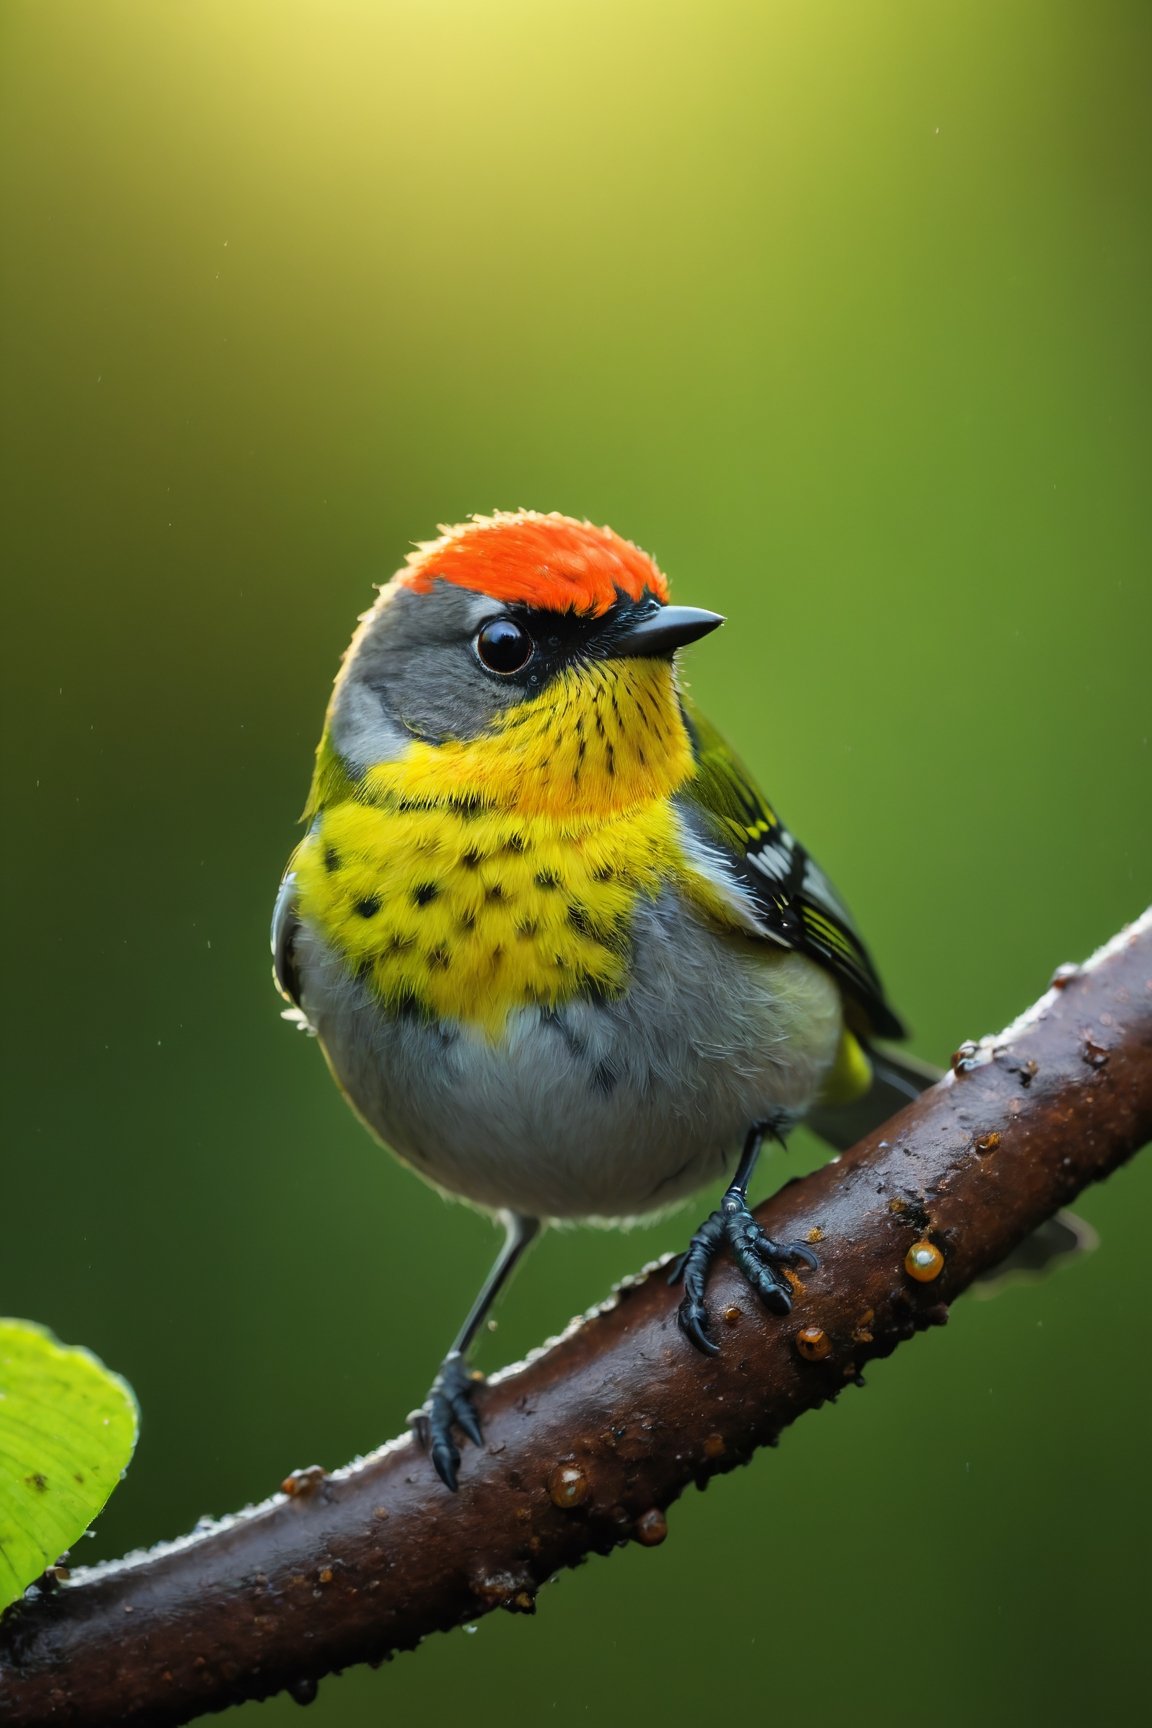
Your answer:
<point x="592" y="1439"/>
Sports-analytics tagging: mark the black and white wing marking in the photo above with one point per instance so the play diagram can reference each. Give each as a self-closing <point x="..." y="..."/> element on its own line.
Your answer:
<point x="793" y="898"/>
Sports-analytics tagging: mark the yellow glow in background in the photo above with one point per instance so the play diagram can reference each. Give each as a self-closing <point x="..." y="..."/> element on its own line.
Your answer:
<point x="841" y="309"/>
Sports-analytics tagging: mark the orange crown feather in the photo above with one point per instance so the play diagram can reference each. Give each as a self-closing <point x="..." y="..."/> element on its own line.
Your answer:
<point x="536" y="559"/>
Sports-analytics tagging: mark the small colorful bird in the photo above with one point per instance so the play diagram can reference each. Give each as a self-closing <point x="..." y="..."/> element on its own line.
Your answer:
<point x="560" y="955"/>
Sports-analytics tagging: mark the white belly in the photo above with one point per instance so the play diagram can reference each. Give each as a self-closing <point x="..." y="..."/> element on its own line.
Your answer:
<point x="600" y="1109"/>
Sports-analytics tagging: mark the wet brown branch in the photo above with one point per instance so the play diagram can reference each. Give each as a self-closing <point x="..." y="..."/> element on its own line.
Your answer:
<point x="591" y="1441"/>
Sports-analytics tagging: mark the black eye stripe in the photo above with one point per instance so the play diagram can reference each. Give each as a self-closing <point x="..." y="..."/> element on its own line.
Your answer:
<point x="504" y="646"/>
<point x="531" y="645"/>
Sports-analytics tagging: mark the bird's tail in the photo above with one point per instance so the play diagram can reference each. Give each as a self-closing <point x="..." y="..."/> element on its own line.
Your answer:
<point x="897" y="1078"/>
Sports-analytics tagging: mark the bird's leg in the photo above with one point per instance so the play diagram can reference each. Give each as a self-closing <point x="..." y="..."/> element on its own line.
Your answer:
<point x="450" y="1400"/>
<point x="759" y="1258"/>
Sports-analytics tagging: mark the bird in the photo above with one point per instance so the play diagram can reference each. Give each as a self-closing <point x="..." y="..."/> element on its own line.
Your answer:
<point x="560" y="954"/>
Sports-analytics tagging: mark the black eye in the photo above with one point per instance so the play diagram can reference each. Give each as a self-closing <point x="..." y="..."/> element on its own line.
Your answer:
<point x="504" y="646"/>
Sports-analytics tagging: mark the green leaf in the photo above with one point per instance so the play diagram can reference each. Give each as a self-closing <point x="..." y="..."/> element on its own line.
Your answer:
<point x="67" y="1430"/>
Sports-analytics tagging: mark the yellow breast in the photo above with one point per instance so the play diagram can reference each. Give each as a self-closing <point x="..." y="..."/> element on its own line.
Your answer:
<point x="478" y="876"/>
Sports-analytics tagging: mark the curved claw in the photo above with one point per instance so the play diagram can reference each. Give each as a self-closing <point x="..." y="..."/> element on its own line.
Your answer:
<point x="445" y="1455"/>
<point x="467" y="1419"/>
<point x="693" y="1318"/>
<point x="781" y="1253"/>
<point x="676" y="1270"/>
<point x="776" y="1297"/>
<point x="788" y="1253"/>
<point x="448" y="1403"/>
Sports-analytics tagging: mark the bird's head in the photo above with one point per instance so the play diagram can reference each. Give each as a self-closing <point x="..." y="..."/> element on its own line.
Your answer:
<point x="521" y="659"/>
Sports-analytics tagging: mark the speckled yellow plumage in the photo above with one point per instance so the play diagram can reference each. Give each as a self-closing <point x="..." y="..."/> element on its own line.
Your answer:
<point x="480" y="876"/>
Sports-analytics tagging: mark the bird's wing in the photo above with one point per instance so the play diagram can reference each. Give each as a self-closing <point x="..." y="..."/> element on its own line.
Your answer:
<point x="795" y="904"/>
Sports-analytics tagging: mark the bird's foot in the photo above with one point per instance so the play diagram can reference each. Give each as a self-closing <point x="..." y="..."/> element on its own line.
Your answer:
<point x="449" y="1402"/>
<point x="760" y="1259"/>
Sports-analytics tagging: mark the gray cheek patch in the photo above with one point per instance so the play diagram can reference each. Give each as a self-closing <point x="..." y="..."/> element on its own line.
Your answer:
<point x="362" y="729"/>
<point x="413" y="668"/>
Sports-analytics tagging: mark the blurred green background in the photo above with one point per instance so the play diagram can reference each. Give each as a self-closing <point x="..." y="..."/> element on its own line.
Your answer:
<point x="841" y="309"/>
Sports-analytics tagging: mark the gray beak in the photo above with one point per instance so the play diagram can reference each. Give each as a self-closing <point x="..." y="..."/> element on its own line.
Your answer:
<point x="662" y="631"/>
